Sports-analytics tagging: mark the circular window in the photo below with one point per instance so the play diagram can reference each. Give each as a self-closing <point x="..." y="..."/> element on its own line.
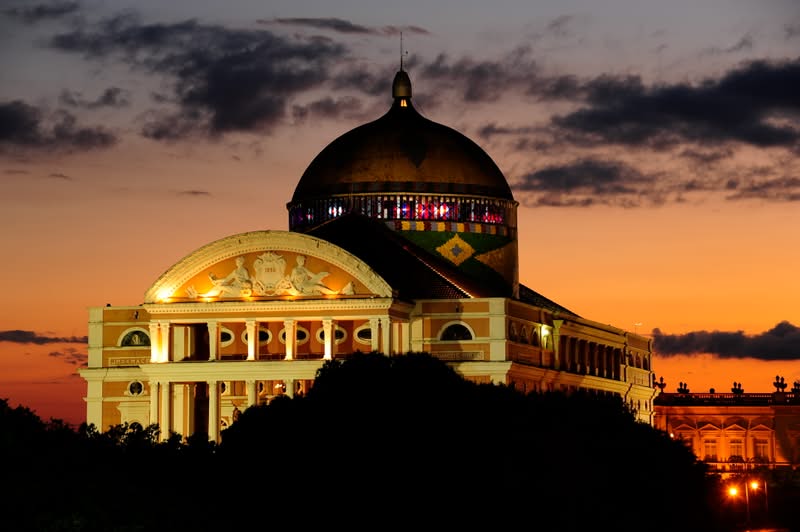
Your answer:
<point x="225" y="337"/>
<point x="135" y="388"/>
<point x="264" y="337"/>
<point x="364" y="334"/>
<point x="340" y="335"/>
<point x="301" y="333"/>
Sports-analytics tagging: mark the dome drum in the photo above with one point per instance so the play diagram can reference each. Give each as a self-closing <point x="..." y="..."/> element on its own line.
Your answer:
<point x="398" y="207"/>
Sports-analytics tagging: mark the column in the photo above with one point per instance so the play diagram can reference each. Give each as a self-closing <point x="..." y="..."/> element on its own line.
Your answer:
<point x="153" y="402"/>
<point x="556" y="339"/>
<point x="213" y="411"/>
<point x="252" y="339"/>
<point x="373" y="331"/>
<point x="164" y="341"/>
<point x="329" y="338"/>
<point x="290" y="384"/>
<point x="405" y="337"/>
<point x="252" y="398"/>
<point x="179" y="411"/>
<point x="290" y="337"/>
<point x="386" y="335"/>
<point x="155" y="343"/>
<point x="396" y="337"/>
<point x="213" y="340"/>
<point x="165" y="422"/>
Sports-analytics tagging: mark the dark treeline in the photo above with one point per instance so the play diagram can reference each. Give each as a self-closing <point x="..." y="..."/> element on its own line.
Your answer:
<point x="378" y="443"/>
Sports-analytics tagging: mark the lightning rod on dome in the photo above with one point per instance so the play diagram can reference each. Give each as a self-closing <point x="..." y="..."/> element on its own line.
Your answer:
<point x="402" y="52"/>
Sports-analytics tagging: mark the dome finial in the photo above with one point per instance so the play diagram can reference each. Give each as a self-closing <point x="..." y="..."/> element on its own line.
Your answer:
<point x="401" y="87"/>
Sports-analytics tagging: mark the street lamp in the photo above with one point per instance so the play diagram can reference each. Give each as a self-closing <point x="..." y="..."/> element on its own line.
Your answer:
<point x="754" y="485"/>
<point x="733" y="491"/>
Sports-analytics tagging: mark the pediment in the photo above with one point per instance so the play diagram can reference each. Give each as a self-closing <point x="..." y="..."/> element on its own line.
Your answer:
<point x="264" y="265"/>
<point x="735" y="427"/>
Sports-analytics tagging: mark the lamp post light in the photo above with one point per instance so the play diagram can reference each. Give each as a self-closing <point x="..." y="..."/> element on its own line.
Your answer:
<point x="733" y="492"/>
<point x="747" y="486"/>
<point x="755" y="485"/>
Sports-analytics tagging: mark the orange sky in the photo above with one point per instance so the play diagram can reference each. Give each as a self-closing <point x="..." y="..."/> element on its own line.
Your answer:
<point x="641" y="202"/>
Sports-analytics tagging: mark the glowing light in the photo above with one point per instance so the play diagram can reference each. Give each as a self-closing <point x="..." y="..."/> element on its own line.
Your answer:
<point x="164" y="294"/>
<point x="733" y="491"/>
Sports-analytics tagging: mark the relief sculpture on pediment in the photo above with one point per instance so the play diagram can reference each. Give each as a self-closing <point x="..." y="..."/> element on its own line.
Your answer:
<point x="269" y="278"/>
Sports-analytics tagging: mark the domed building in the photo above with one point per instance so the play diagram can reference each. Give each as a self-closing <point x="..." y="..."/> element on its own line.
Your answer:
<point x="402" y="238"/>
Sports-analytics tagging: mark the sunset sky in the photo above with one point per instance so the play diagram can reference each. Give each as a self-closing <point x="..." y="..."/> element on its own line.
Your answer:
<point x="654" y="148"/>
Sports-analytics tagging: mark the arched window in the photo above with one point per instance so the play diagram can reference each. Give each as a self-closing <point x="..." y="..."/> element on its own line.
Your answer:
<point x="455" y="332"/>
<point x="135" y="338"/>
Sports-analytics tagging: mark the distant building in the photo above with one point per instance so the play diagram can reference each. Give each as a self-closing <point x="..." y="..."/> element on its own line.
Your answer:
<point x="735" y="431"/>
<point x="403" y="237"/>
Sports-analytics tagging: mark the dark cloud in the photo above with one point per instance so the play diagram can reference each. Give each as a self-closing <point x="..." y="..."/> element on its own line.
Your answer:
<point x="327" y="108"/>
<point x="483" y="81"/>
<point x="745" y="105"/>
<point x="782" y="342"/>
<point x="26" y="126"/>
<point x="193" y="193"/>
<point x="362" y="80"/>
<point x="64" y="177"/>
<point x="559" y="25"/>
<point x="344" y="26"/>
<point x="490" y="130"/>
<point x="489" y="80"/>
<point x="222" y="79"/>
<point x="706" y="157"/>
<point x="396" y="30"/>
<point x="70" y="355"/>
<point x="31" y="337"/>
<point x="112" y="97"/>
<point x="585" y="183"/>
<point x="38" y="12"/>
<point x="775" y="189"/>
<point x="16" y="172"/>
<point x="334" y="24"/>
<point x="745" y="43"/>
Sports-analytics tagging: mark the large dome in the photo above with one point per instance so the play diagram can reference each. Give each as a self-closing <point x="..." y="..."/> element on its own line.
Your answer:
<point x="402" y="152"/>
<point x="427" y="182"/>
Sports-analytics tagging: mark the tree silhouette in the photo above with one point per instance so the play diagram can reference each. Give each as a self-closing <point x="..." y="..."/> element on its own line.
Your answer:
<point x="378" y="442"/>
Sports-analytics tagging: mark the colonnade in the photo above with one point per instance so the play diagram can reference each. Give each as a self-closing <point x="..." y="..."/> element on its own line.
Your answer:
<point x="590" y="358"/>
<point x="166" y="399"/>
<point x="387" y="336"/>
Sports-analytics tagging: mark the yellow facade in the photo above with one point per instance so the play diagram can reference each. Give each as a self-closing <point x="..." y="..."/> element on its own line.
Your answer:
<point x="253" y="316"/>
<point x="187" y="364"/>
